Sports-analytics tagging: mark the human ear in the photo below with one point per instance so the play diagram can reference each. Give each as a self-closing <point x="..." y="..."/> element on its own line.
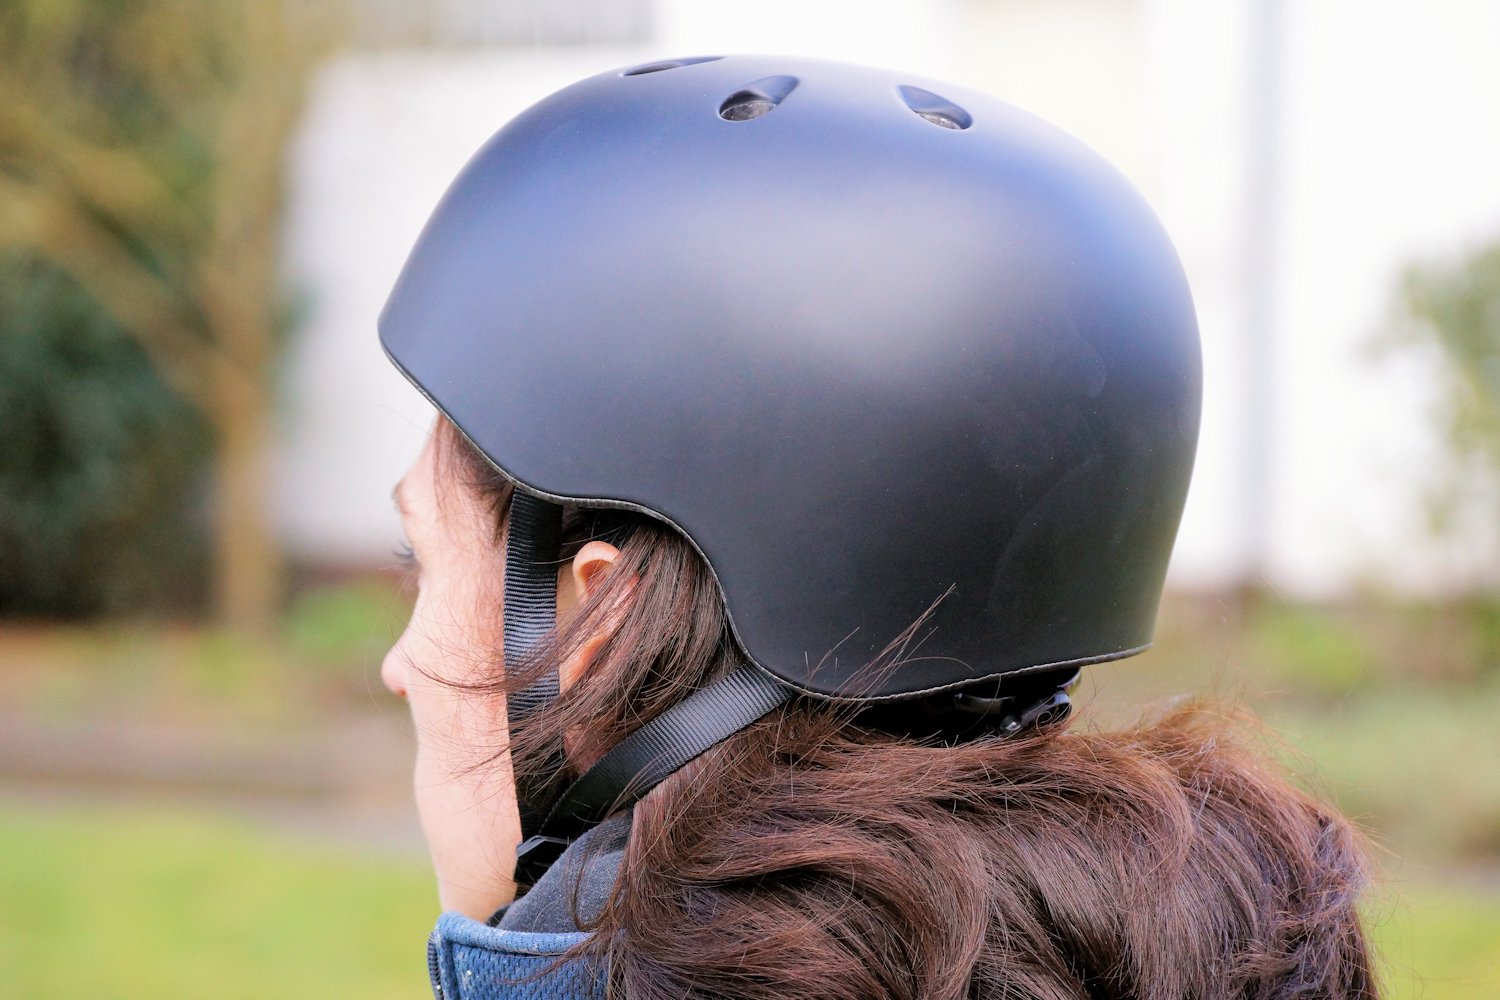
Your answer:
<point x="583" y="573"/>
<point x="594" y="558"/>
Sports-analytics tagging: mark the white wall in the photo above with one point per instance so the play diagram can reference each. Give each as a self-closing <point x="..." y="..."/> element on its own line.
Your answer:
<point x="1393" y="153"/>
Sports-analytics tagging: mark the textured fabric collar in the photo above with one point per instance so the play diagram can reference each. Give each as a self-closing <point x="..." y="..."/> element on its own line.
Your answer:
<point x="583" y="876"/>
<point x="516" y="955"/>
<point x="468" y="960"/>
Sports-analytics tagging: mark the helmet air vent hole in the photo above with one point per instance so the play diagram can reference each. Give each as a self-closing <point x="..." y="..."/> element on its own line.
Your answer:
<point x="657" y="67"/>
<point x="937" y="118"/>
<point x="930" y="107"/>
<point x="757" y="98"/>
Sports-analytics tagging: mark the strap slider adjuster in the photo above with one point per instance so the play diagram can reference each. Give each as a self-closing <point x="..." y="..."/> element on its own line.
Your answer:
<point x="1017" y="706"/>
<point x="536" y="855"/>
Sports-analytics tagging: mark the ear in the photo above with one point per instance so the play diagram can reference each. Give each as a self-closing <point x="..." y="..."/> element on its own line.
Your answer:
<point x="579" y="580"/>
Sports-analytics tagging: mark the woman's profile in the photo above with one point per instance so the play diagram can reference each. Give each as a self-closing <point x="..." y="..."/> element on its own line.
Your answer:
<point x="805" y="430"/>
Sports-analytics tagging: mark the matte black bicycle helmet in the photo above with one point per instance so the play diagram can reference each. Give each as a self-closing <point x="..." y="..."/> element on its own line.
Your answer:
<point x="877" y="346"/>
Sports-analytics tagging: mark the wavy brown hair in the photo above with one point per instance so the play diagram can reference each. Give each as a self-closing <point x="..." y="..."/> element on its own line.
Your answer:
<point x="816" y="855"/>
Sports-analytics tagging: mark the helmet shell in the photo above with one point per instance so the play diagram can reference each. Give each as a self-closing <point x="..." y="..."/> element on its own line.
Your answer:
<point x="871" y="364"/>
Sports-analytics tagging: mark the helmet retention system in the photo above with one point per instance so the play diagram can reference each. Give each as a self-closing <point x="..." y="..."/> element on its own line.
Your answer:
<point x="885" y="351"/>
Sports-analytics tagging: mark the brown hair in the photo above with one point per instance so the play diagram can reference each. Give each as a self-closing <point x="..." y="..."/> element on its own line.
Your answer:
<point x="813" y="855"/>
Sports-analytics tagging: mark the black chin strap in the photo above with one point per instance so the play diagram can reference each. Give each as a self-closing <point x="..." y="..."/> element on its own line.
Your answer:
<point x="531" y="556"/>
<point x="699" y="722"/>
<point x="647" y="757"/>
<point x="639" y="762"/>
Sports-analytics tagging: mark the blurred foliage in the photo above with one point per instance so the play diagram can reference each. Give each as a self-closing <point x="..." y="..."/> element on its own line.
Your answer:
<point x="1415" y="764"/>
<point x="1384" y="705"/>
<point x="1453" y="309"/>
<point x="322" y="664"/>
<point x="141" y="155"/>
<point x="343" y="624"/>
<point x="1314" y="651"/>
<point x="1458" y="308"/>
<point x="98" y="459"/>
<point x="1262" y="648"/>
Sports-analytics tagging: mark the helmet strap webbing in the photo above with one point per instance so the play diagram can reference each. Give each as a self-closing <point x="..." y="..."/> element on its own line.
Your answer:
<point x="637" y="763"/>
<point x="532" y="549"/>
<point x="647" y="757"/>
<point x="664" y="745"/>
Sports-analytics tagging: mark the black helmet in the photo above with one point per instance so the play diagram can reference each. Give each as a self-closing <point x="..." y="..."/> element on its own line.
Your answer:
<point x="875" y="345"/>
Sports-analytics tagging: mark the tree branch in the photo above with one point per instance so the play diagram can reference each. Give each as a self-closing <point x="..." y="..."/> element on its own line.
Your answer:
<point x="116" y="182"/>
<point x="51" y="225"/>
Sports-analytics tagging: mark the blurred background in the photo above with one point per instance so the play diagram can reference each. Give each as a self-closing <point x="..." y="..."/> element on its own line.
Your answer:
<point x="204" y="790"/>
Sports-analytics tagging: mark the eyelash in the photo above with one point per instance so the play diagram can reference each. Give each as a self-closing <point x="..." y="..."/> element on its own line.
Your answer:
<point x="405" y="557"/>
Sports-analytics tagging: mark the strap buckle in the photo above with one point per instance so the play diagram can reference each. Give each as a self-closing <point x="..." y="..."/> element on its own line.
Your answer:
<point x="1012" y="713"/>
<point x="535" y="855"/>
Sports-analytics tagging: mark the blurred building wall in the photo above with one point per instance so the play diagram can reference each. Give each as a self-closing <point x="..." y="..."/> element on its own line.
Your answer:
<point x="490" y="23"/>
<point x="1382" y="151"/>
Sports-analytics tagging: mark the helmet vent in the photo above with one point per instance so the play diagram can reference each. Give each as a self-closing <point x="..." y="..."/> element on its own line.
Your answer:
<point x="657" y="67"/>
<point x="930" y="107"/>
<point x="757" y="98"/>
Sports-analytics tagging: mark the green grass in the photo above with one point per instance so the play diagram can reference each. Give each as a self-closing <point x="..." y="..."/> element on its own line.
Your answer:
<point x="113" y="903"/>
<point x="1389" y="711"/>
<point x="1393" y="717"/>
<point x="119" y="904"/>
<point x="1417" y="765"/>
<point x="1437" y="941"/>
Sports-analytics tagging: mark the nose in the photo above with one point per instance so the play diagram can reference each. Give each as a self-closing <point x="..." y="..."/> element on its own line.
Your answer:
<point x="393" y="670"/>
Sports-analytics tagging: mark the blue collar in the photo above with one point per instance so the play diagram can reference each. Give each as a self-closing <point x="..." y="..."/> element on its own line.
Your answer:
<point x="516" y="954"/>
<point x="468" y="960"/>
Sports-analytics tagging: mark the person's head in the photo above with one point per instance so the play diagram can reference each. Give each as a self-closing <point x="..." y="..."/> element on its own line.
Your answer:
<point x="819" y="854"/>
<point x="804" y="433"/>
<point x="639" y="616"/>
